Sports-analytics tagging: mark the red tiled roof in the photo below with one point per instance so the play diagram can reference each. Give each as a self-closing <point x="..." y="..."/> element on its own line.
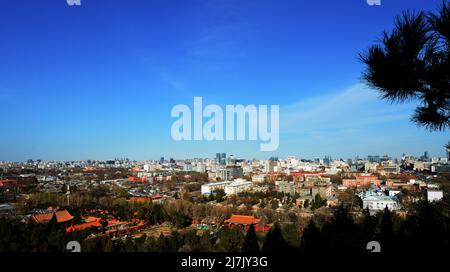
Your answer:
<point x="7" y="181"/>
<point x="307" y="173"/>
<point x="157" y="197"/>
<point x="242" y="219"/>
<point x="140" y="199"/>
<point x="89" y="223"/>
<point x="61" y="216"/>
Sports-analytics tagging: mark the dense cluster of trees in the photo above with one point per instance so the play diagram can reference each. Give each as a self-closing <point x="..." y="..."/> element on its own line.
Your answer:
<point x="428" y="228"/>
<point x="178" y="212"/>
<point x="217" y="195"/>
<point x="16" y="236"/>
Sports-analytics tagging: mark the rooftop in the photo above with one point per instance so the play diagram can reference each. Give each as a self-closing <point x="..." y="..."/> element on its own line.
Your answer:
<point x="61" y="216"/>
<point x="242" y="219"/>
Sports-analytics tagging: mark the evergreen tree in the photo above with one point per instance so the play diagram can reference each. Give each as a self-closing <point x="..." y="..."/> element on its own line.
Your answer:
<point x="251" y="241"/>
<point x="367" y="228"/>
<point x="274" y="241"/>
<point x="109" y="246"/>
<point x="318" y="202"/>
<point x="342" y="234"/>
<point x="311" y="239"/>
<point x="386" y="231"/>
<point x="230" y="239"/>
<point x="413" y="62"/>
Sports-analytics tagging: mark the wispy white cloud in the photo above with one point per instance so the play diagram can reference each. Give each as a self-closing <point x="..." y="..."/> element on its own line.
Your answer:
<point x="224" y="28"/>
<point x="354" y="121"/>
<point x="178" y="85"/>
<point x="353" y="108"/>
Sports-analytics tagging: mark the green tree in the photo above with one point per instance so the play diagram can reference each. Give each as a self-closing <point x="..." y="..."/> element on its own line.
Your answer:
<point x="342" y="233"/>
<point x="311" y="239"/>
<point x="413" y="62"/>
<point x="291" y="234"/>
<point x="367" y="227"/>
<point x="274" y="204"/>
<point x="109" y="246"/>
<point x="274" y="242"/>
<point x="192" y="240"/>
<point x="306" y="204"/>
<point x="181" y="220"/>
<point x="230" y="239"/>
<point x="219" y="195"/>
<point x="318" y="202"/>
<point x="251" y="241"/>
<point x="386" y="230"/>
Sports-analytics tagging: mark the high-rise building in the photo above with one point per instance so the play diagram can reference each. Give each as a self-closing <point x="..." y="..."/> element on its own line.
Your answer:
<point x="187" y="167"/>
<point x="269" y="166"/>
<point x="424" y="157"/>
<point x="221" y="158"/>
<point x="327" y="160"/>
<point x="374" y="158"/>
<point x="230" y="173"/>
<point x="448" y="151"/>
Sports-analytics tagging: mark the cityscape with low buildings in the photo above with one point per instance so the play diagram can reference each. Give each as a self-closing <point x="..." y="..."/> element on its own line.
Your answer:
<point x="116" y="199"/>
<point x="259" y="130"/>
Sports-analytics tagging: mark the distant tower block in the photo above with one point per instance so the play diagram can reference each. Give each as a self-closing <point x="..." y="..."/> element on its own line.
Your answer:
<point x="448" y="150"/>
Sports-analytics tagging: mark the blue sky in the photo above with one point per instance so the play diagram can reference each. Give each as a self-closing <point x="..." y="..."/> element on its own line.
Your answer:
<point x="98" y="81"/>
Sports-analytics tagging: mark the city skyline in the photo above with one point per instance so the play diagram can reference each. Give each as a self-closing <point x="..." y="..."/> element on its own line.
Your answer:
<point x="213" y="157"/>
<point x="98" y="81"/>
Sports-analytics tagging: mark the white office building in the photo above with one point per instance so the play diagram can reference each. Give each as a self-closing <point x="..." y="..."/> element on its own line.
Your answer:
<point x="259" y="178"/>
<point x="213" y="186"/>
<point x="434" y="195"/>
<point x="376" y="201"/>
<point x="238" y="186"/>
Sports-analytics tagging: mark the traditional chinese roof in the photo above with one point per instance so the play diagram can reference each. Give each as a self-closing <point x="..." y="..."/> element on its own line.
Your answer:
<point x="90" y="222"/>
<point x="61" y="216"/>
<point x="7" y="182"/>
<point x="242" y="219"/>
<point x="140" y="199"/>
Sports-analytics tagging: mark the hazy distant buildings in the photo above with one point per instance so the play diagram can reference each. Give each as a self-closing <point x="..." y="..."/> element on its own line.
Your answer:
<point x="230" y="172"/>
<point x="361" y="181"/>
<point x="448" y="151"/>
<point x="375" y="159"/>
<point x="221" y="158"/>
<point x="200" y="168"/>
<point x="187" y="167"/>
<point x="269" y="166"/>
<point x="391" y="169"/>
<point x="259" y="178"/>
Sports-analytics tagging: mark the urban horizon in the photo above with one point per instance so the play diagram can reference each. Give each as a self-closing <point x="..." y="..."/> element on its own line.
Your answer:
<point x="268" y="157"/>
<point x="232" y="134"/>
<point x="325" y="109"/>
